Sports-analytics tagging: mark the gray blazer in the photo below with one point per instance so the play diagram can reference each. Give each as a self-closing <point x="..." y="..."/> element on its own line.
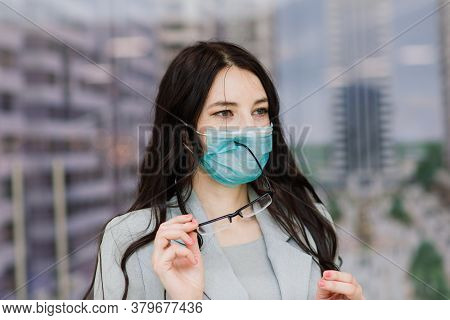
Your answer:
<point x="295" y="270"/>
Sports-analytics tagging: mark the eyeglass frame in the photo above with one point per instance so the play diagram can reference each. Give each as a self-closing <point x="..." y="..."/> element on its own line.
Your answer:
<point x="230" y="216"/>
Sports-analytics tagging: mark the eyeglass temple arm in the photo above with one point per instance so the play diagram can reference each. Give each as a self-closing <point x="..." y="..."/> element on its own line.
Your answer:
<point x="257" y="162"/>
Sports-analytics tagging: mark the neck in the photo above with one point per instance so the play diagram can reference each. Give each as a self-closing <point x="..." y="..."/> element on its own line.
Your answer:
<point x="216" y="198"/>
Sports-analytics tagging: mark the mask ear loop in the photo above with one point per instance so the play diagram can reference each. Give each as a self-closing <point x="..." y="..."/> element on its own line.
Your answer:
<point x="188" y="148"/>
<point x="199" y="133"/>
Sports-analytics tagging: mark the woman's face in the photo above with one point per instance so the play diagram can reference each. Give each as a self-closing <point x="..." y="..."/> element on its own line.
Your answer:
<point x="236" y="99"/>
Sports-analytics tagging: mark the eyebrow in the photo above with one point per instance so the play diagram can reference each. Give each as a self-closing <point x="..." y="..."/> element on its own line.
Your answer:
<point x="234" y="104"/>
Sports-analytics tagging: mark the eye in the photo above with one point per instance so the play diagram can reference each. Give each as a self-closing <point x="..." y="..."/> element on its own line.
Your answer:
<point x="223" y="113"/>
<point x="261" y="111"/>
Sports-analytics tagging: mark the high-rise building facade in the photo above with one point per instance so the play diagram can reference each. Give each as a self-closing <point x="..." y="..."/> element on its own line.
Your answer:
<point x="361" y="97"/>
<point x="444" y="28"/>
<point x="57" y="104"/>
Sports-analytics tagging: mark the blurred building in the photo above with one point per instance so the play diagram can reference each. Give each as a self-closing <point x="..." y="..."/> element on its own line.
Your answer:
<point x="444" y="27"/>
<point x="251" y="26"/>
<point x="180" y="23"/>
<point x="58" y="102"/>
<point x="362" y="127"/>
<point x="361" y="108"/>
<point x="11" y="127"/>
<point x="361" y="94"/>
<point x="56" y="116"/>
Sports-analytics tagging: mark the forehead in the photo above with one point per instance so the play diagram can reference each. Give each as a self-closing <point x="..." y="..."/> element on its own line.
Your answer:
<point x="236" y="85"/>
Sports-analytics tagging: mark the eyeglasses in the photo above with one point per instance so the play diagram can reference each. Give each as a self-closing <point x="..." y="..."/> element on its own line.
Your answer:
<point x="248" y="211"/>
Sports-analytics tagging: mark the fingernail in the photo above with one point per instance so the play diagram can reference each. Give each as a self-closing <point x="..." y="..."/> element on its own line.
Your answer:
<point x="321" y="283"/>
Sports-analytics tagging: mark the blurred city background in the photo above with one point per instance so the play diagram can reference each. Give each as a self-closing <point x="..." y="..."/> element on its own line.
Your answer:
<point x="369" y="79"/>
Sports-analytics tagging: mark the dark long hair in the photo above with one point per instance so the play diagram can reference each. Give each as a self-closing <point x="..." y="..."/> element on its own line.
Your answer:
<point x="182" y="93"/>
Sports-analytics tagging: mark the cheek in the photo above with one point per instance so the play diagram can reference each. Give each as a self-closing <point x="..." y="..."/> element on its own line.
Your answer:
<point x="203" y="142"/>
<point x="264" y="120"/>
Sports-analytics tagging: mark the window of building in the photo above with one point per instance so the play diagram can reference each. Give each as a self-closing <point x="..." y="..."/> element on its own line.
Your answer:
<point x="9" y="144"/>
<point x="7" y="58"/>
<point x="39" y="78"/>
<point x="6" y="187"/>
<point x="6" y="101"/>
<point x="7" y="232"/>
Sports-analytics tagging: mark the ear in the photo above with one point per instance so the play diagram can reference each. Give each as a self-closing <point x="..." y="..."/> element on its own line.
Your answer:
<point x="189" y="148"/>
<point x="186" y="142"/>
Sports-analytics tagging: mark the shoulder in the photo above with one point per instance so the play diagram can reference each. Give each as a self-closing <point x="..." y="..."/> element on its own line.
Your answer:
<point x="121" y="231"/>
<point x="127" y="227"/>
<point x="118" y="235"/>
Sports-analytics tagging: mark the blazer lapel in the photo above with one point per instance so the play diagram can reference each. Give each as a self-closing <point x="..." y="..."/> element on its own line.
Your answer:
<point x="292" y="266"/>
<point x="221" y="282"/>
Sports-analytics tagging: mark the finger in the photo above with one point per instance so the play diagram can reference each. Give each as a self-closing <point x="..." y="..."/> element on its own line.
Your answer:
<point x="322" y="293"/>
<point x="348" y="289"/>
<point x="339" y="276"/>
<point x="178" y="219"/>
<point x="194" y="247"/>
<point x="186" y="226"/>
<point x="174" y="251"/>
<point x="163" y="237"/>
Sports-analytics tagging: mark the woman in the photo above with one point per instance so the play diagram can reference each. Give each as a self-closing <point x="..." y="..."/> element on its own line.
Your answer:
<point x="222" y="210"/>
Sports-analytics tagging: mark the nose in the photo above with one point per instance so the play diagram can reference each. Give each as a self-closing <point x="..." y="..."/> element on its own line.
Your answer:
<point x="246" y="120"/>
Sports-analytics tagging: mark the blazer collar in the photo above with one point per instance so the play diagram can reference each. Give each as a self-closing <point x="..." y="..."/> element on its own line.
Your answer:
<point x="291" y="265"/>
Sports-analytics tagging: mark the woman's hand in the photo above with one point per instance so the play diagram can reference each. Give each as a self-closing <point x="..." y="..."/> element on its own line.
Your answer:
<point x="338" y="285"/>
<point x="179" y="268"/>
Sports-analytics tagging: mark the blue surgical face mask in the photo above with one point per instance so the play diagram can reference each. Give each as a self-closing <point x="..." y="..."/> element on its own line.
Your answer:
<point x="230" y="163"/>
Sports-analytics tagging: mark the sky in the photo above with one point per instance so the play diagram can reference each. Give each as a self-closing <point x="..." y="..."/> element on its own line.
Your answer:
<point x="415" y="84"/>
